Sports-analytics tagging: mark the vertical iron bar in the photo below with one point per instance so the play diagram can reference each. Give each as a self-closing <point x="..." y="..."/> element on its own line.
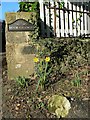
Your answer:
<point x="54" y="19"/>
<point x="59" y="19"/>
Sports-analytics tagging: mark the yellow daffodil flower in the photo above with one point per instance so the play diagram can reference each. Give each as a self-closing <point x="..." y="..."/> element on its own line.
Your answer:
<point x="36" y="59"/>
<point x="47" y="59"/>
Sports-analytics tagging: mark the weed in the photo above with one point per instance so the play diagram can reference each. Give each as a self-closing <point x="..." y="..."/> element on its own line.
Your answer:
<point x="40" y="105"/>
<point x="21" y="81"/>
<point x="77" y="80"/>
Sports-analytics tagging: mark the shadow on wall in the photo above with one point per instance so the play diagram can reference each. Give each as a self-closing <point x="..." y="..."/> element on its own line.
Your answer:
<point x="45" y="30"/>
<point x="2" y="36"/>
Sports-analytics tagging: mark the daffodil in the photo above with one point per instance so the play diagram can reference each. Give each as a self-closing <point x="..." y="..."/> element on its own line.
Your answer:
<point x="36" y="59"/>
<point x="47" y="59"/>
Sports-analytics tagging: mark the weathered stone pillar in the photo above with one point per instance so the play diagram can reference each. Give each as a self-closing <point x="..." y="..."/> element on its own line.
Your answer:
<point x="19" y="50"/>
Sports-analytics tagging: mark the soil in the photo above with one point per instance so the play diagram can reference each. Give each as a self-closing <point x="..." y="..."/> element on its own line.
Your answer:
<point x="20" y="102"/>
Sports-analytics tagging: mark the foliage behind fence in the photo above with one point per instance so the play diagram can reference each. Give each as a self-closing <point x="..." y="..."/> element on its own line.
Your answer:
<point x="65" y="19"/>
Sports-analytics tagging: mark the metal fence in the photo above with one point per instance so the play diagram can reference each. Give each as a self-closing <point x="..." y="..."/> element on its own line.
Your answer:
<point x="68" y="19"/>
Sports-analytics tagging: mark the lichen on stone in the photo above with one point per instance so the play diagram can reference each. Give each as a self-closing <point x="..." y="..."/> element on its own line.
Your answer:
<point x="59" y="105"/>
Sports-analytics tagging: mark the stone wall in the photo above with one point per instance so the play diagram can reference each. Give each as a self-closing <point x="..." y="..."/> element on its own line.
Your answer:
<point x="19" y="50"/>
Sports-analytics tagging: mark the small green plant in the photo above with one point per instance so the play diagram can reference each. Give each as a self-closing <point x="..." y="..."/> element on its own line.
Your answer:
<point x="29" y="6"/>
<point x="62" y="4"/>
<point x="21" y="81"/>
<point x="40" y="105"/>
<point x="77" y="80"/>
<point x="77" y="24"/>
<point x="42" y="71"/>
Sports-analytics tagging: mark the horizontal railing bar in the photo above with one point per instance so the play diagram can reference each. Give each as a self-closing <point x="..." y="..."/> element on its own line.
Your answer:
<point x="68" y="10"/>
